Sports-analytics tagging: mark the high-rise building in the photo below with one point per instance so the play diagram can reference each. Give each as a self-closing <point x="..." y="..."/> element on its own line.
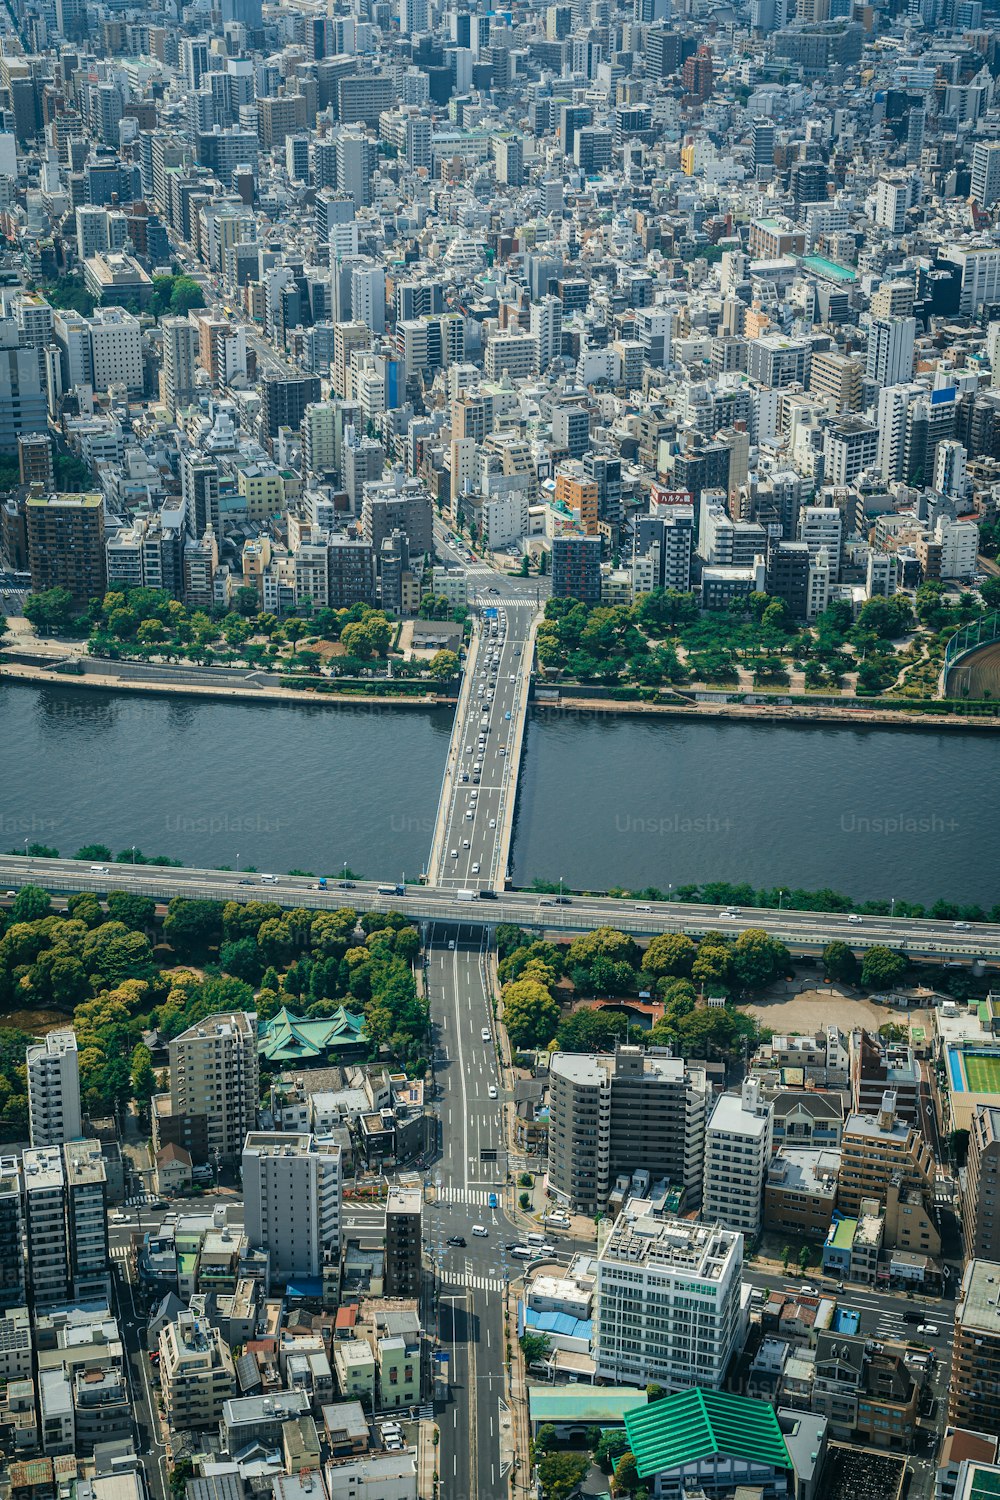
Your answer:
<point x="356" y="160"/>
<point x="403" y="1215"/>
<point x="214" y="1077"/>
<point x="22" y="396"/>
<point x="200" y="493"/>
<point x="669" y="1303"/>
<point x="890" y="350"/>
<point x="974" y="1388"/>
<point x="576" y="568"/>
<point x="762" y="139"/>
<point x="12" y="1283"/>
<point x="87" y="1220"/>
<point x="45" y="1225"/>
<point x="292" y="1193"/>
<point x="612" y="1116"/>
<point x="737" y="1152"/>
<point x="986" y="173"/>
<point x="284" y="399"/>
<point x="180" y="361"/>
<point x="66" y="544"/>
<point x="34" y="459"/>
<point x="981" y="1185"/>
<point x="53" y="1070"/>
<point x="877" y="1150"/>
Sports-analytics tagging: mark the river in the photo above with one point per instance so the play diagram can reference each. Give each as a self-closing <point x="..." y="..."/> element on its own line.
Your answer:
<point x="604" y="799"/>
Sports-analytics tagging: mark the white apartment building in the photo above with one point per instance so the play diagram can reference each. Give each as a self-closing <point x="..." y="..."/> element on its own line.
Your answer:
<point x="959" y="546"/>
<point x="292" y="1192"/>
<point x="737" y="1151"/>
<point x="196" y="1372"/>
<point x="669" y="1302"/>
<point x="505" y="517"/>
<point x="513" y="354"/>
<point x="53" y="1069"/>
<point x="45" y="1225"/>
<point x="390" y="1476"/>
<point x="116" y="341"/>
<point x="87" y="1220"/>
<point x="821" y="527"/>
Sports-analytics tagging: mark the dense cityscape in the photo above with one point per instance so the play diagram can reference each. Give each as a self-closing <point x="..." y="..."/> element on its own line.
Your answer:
<point x="494" y="369"/>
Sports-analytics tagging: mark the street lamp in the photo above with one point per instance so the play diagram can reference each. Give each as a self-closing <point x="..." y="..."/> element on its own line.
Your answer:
<point x="781" y="897"/>
<point x="237" y="863"/>
<point x="560" y="887"/>
<point x="133" y="856"/>
<point x="892" y="907"/>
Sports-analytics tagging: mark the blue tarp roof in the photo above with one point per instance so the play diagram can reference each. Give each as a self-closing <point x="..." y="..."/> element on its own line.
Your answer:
<point x="559" y="1323"/>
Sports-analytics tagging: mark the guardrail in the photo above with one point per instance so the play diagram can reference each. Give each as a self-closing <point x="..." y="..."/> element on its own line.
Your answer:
<point x="978" y="633"/>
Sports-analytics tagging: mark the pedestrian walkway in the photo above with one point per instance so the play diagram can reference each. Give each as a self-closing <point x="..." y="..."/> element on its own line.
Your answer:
<point x="471" y="1197"/>
<point x="475" y="1283"/>
<point x="121" y="1252"/>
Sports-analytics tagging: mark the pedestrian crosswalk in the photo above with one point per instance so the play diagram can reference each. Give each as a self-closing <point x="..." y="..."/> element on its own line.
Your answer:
<point x="471" y="1282"/>
<point x="471" y="1197"/>
<point x="426" y="1412"/>
<point x="120" y="1252"/>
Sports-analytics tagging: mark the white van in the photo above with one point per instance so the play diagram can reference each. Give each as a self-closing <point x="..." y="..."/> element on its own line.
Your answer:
<point x="534" y="1239"/>
<point x="480" y="1231"/>
<point x="521" y="1252"/>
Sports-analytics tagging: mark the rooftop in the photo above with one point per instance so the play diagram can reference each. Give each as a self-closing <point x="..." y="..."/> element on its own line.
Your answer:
<point x="695" y="1425"/>
<point x="979" y="1305"/>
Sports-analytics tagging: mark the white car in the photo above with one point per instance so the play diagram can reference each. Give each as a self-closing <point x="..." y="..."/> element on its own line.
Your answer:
<point x="855" y="920"/>
<point x="485" y="1033"/>
<point x="99" y="870"/>
<point x="493" y="822"/>
<point x="492" y="1090"/>
<point x="465" y="843"/>
<point x="475" y="868"/>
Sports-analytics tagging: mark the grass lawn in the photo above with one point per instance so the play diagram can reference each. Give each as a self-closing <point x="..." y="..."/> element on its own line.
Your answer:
<point x="982" y="1074"/>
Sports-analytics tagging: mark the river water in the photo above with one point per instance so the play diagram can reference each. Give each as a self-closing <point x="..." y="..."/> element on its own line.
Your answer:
<point x="604" y="799"/>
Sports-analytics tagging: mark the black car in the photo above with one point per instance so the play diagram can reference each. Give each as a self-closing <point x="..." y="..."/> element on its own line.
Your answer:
<point x="458" y="1240"/>
<point x="345" y="885"/>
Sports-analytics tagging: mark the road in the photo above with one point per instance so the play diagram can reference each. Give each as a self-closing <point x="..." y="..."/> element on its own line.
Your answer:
<point x="132" y="1326"/>
<point x="801" y="931"/>
<point x="470" y="1279"/>
<point x="470" y="852"/>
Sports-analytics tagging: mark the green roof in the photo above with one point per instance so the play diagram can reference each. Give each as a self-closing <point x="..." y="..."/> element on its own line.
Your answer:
<point x="695" y="1425"/>
<point x="985" y="1484"/>
<point x="829" y="268"/>
<point x="593" y="1404"/>
<point x="843" y="1235"/>
<point x="288" y="1038"/>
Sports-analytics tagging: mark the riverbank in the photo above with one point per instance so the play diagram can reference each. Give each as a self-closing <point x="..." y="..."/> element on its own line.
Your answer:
<point x="252" y="687"/>
<point x="854" y="716"/>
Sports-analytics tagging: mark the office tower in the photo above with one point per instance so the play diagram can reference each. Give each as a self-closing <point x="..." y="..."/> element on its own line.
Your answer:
<point x="762" y="138"/>
<point x="612" y="1116"/>
<point x="690" y="1274"/>
<point x="398" y="504"/>
<point x="697" y="74"/>
<point x="180" y="361"/>
<point x="821" y="527"/>
<point x="34" y="459"/>
<point x="571" y="430"/>
<point x="246" y="12"/>
<point x="116" y="350"/>
<point x="364" y="461"/>
<point x="45" y="1225"/>
<point x="546" y="326"/>
<point x="87" y="1220"/>
<point x="53" y="1071"/>
<point x="576" y="568"/>
<point x="980" y="1185"/>
<point x="915" y="128"/>
<point x="12" y="1284"/>
<point x="350" y="572"/>
<point x="889" y="359"/>
<point x="974" y="1391"/>
<point x="356" y="161"/>
<point x="200" y="493"/>
<point x="509" y="153"/>
<point x="986" y="173"/>
<point x="291" y="1193"/>
<point x="214" y="1079"/>
<point x="413" y="17"/>
<point x="737" y="1152"/>
<point x="66" y="544"/>
<point x="894" y="403"/>
<point x="284" y="400"/>
<point x="606" y="472"/>
<point x="403" y="1212"/>
<point x="22" y="396"/>
<point x="368" y="296"/>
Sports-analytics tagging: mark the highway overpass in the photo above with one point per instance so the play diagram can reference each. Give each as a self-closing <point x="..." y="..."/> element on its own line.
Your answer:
<point x="802" y="931"/>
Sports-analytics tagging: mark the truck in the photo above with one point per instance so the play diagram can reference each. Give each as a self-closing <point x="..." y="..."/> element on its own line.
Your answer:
<point x="466" y="895"/>
<point x="392" y="890"/>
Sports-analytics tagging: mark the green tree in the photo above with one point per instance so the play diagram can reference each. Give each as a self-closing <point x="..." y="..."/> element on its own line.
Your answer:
<point x="51" y="612"/>
<point x="534" y="1346"/>
<point x="757" y="958"/>
<point x="131" y="910"/>
<point x="804" y="1258"/>
<point x="31" y="904"/>
<point x="603" y="942"/>
<point x="85" y="907"/>
<point x="626" y="1476"/>
<point x="786" y="1256"/>
<point x="185" y="294"/>
<point x="712" y="962"/>
<point x="444" y="665"/>
<point x="530" y="1014"/>
<point x="611" y="1445"/>
<point x="840" y="963"/>
<point x="989" y="591"/>
<point x="670" y="953"/>
<point x="142" y="1077"/>
<point x="94" y="853"/>
<point x="545" y="1438"/>
<point x="559" y="1474"/>
<point x="191" y="926"/>
<point x="881" y="968"/>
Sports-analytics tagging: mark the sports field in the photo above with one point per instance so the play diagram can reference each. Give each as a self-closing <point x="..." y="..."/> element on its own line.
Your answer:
<point x="982" y="1072"/>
